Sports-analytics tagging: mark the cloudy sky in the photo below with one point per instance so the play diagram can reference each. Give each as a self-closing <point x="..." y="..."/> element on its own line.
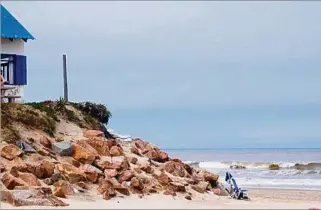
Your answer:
<point x="185" y="74"/>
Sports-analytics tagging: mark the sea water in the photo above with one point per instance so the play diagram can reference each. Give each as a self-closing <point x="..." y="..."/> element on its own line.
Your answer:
<point x="299" y="168"/>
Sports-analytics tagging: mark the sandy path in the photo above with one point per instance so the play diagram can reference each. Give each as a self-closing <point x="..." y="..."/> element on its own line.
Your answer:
<point x="260" y="199"/>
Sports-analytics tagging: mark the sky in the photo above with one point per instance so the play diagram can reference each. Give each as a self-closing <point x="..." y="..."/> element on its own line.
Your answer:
<point x="184" y="74"/>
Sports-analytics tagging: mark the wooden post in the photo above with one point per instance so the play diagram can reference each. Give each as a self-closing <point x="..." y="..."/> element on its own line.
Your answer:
<point x="65" y="77"/>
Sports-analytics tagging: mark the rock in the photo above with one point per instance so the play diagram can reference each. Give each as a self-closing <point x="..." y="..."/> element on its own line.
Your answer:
<point x="72" y="173"/>
<point x="111" y="143"/>
<point x="44" y="141"/>
<point x="237" y="167"/>
<point x="162" y="157"/>
<point x="59" y="192"/>
<point x="48" y="181"/>
<point x="200" y="187"/>
<point x="211" y="178"/>
<point x="56" y="177"/>
<point x="122" y="189"/>
<point x="139" y="144"/>
<point x="2" y="168"/>
<point x="93" y="133"/>
<point x="136" y="183"/>
<point x="33" y="197"/>
<point x="176" y="187"/>
<point x="274" y="167"/>
<point x="152" y="154"/>
<point x="188" y="197"/>
<point x="135" y="151"/>
<point x="82" y="155"/>
<point x="49" y="168"/>
<point x="138" y="170"/>
<point x="63" y="148"/>
<point x="163" y="179"/>
<point x="110" y="172"/>
<point x="103" y="162"/>
<point x="132" y="160"/>
<point x="188" y="168"/>
<point x="170" y="192"/>
<point x="216" y="191"/>
<point x="59" y="139"/>
<point x="115" y="151"/>
<point x="92" y="173"/>
<point x="69" y="160"/>
<point x="10" y="182"/>
<point x="146" y="168"/>
<point x="29" y="179"/>
<point x="100" y="146"/>
<point x="175" y="168"/>
<point x="25" y="147"/>
<point x="105" y="187"/>
<point x="10" y="152"/>
<point x="82" y="185"/>
<point x="63" y="187"/>
<point x="197" y="178"/>
<point x="85" y="144"/>
<point x="125" y="176"/>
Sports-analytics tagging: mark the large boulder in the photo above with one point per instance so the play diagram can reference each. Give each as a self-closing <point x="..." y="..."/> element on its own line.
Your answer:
<point x="63" y="148"/>
<point x="63" y="188"/>
<point x="92" y="173"/>
<point x="126" y="176"/>
<point x="33" y="197"/>
<point x="72" y="173"/>
<point x="93" y="133"/>
<point x="10" y="182"/>
<point x="39" y="166"/>
<point x="103" y="162"/>
<point x="211" y="178"/>
<point x="175" y="168"/>
<point x="163" y="179"/>
<point x="105" y="187"/>
<point x="69" y="160"/>
<point x="85" y="144"/>
<point x="100" y="146"/>
<point x="116" y="151"/>
<point x="201" y="187"/>
<point x="82" y="154"/>
<point x="29" y="178"/>
<point x="176" y="187"/>
<point x="44" y="141"/>
<point x="10" y="151"/>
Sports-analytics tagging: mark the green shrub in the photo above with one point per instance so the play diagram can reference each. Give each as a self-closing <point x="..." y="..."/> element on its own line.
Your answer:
<point x="96" y="111"/>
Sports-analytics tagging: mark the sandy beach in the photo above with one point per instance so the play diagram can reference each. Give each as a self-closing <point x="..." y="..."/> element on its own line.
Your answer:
<point x="259" y="199"/>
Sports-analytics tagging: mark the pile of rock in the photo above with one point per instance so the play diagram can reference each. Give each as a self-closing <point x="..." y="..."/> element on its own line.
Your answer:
<point x="61" y="168"/>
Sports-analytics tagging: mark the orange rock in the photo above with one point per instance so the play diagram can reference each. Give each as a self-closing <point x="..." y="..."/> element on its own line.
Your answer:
<point x="176" y="187"/>
<point x="64" y="187"/>
<point x="85" y="144"/>
<point x="93" y="133"/>
<point x="132" y="160"/>
<point x="39" y="166"/>
<point x="110" y="172"/>
<point x="136" y="183"/>
<point x="103" y="162"/>
<point x="45" y="142"/>
<point x="111" y="143"/>
<point x="163" y="179"/>
<point x="92" y="173"/>
<point x="82" y="185"/>
<point x="200" y="187"/>
<point x="170" y="192"/>
<point x="100" y="146"/>
<point x="104" y="185"/>
<point x="151" y="154"/>
<point x="72" y="173"/>
<point x="175" y="168"/>
<point x="82" y="155"/>
<point x="147" y="168"/>
<point x="123" y="189"/>
<point x="134" y="150"/>
<point x="29" y="179"/>
<point x="59" y="192"/>
<point x="211" y="178"/>
<point x="69" y="160"/>
<point x="10" y="151"/>
<point x="216" y="191"/>
<point x="115" y="151"/>
<point x="162" y="157"/>
<point x="125" y="176"/>
<point x="10" y="182"/>
<point x="49" y="168"/>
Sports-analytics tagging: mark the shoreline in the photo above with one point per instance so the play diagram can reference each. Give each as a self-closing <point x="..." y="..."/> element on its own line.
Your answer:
<point x="259" y="199"/>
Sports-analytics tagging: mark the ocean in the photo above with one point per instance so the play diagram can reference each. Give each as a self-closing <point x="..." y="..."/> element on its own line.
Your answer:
<point x="299" y="168"/>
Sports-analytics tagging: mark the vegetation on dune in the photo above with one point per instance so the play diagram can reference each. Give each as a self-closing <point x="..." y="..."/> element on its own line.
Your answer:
<point x="44" y="115"/>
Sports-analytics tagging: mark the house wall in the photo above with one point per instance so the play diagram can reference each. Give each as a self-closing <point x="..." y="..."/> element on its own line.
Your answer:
<point x="12" y="47"/>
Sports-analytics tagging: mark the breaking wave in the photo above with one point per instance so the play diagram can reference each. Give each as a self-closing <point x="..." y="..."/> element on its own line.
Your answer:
<point x="248" y="165"/>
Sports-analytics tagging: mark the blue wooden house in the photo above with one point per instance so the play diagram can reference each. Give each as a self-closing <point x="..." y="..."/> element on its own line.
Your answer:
<point x="13" y="59"/>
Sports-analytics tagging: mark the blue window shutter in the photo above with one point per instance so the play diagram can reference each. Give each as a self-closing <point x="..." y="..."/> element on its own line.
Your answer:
<point x="20" y="70"/>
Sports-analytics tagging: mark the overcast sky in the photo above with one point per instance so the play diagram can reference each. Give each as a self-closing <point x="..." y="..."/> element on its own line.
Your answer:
<point x="185" y="74"/>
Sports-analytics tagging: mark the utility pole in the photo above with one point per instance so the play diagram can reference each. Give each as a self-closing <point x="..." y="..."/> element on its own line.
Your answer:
<point x="64" y="58"/>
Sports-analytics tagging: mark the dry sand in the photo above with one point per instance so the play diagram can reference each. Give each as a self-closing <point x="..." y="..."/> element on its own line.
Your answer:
<point x="260" y="199"/>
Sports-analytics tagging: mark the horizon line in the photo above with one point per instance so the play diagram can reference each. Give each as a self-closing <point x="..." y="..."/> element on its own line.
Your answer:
<point x="235" y="148"/>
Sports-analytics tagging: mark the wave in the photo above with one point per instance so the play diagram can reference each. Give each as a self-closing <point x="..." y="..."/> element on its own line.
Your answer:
<point x="248" y="165"/>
